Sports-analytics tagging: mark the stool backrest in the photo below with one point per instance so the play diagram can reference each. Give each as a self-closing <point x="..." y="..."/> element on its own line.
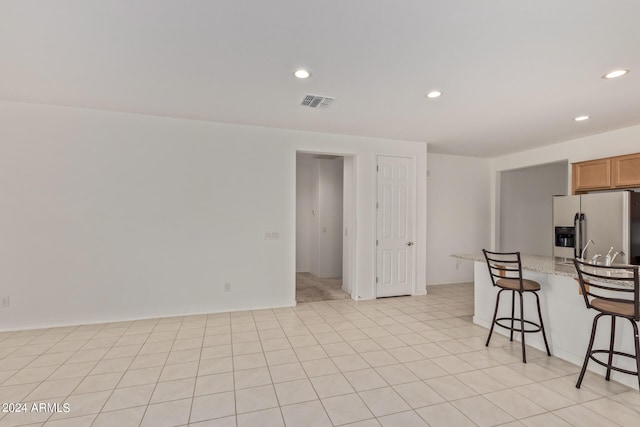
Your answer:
<point x="616" y="283"/>
<point x="504" y="265"/>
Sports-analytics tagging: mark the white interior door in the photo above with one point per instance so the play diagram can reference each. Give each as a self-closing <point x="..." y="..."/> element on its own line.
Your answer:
<point x="395" y="227"/>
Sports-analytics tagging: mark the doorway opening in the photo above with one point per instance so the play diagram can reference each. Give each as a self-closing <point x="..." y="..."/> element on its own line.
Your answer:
<point x="524" y="207"/>
<point x="324" y="226"/>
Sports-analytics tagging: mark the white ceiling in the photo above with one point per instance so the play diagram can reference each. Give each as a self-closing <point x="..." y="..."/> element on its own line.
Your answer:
<point x="514" y="73"/>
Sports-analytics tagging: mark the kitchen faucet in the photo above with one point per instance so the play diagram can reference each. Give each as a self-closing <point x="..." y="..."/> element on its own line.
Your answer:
<point x="585" y="248"/>
<point x="616" y="254"/>
<point x="607" y="259"/>
<point x="594" y="260"/>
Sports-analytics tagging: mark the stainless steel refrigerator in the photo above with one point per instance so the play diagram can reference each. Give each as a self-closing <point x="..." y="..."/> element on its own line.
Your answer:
<point x="609" y="219"/>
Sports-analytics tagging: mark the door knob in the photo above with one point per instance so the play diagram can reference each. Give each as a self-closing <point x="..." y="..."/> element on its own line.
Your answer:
<point x="409" y="243"/>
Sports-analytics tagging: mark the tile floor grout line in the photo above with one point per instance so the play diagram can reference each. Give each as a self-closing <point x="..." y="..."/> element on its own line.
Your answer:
<point x="233" y="373"/>
<point x="195" y="383"/>
<point x="27" y="365"/>
<point x="269" y="371"/>
<point x="125" y="372"/>
<point x="75" y="352"/>
<point x="308" y="378"/>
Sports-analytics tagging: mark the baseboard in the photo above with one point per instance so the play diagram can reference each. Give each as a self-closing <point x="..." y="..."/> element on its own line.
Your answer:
<point x="134" y="319"/>
<point x="450" y="283"/>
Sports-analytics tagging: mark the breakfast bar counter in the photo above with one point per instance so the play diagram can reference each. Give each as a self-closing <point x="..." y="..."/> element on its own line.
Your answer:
<point x="535" y="263"/>
<point x="564" y="313"/>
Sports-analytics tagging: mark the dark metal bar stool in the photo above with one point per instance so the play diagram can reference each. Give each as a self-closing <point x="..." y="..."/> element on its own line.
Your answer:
<point x="505" y="269"/>
<point x="612" y="291"/>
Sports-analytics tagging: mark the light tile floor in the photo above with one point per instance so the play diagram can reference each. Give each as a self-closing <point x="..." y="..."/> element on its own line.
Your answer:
<point x="410" y="361"/>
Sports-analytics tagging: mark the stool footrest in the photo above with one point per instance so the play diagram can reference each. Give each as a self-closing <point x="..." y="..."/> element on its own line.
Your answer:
<point x="606" y="365"/>
<point x="517" y="329"/>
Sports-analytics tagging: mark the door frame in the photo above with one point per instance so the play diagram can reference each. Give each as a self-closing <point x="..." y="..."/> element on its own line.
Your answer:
<point x="414" y="199"/>
<point x="350" y="224"/>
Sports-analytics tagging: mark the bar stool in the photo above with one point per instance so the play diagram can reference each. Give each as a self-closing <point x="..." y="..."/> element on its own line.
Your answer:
<point x="505" y="269"/>
<point x="611" y="291"/>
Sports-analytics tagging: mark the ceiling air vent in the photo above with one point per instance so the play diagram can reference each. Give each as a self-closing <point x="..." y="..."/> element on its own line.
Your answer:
<point x="317" y="101"/>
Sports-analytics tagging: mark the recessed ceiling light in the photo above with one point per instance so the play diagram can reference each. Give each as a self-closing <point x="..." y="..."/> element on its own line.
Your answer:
<point x="615" y="73"/>
<point x="582" y="118"/>
<point x="302" y="74"/>
<point x="434" y="94"/>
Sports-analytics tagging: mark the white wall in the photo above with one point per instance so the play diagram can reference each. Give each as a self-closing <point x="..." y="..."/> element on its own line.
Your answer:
<point x="108" y="216"/>
<point x="614" y="143"/>
<point x="458" y="215"/>
<point x="330" y="218"/>
<point x="303" y="212"/>
<point x="526" y="205"/>
<point x="348" y="220"/>
<point x="314" y="232"/>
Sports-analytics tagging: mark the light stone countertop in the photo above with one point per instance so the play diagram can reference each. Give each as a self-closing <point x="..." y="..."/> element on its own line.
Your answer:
<point x="537" y="263"/>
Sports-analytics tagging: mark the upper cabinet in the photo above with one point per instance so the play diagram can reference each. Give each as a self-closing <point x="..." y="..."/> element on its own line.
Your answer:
<point x="609" y="173"/>
<point x="591" y="175"/>
<point x="625" y="171"/>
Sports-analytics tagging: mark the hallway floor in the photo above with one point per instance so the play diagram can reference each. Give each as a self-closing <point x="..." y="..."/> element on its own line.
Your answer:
<point x="310" y="288"/>
<point x="392" y="362"/>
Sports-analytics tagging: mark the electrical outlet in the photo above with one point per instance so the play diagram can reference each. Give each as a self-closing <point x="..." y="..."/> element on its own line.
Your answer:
<point x="227" y="286"/>
<point x="4" y="302"/>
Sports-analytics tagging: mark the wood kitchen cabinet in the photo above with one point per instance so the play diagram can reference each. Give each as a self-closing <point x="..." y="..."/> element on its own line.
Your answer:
<point x="591" y="175"/>
<point x="625" y="171"/>
<point x="603" y="174"/>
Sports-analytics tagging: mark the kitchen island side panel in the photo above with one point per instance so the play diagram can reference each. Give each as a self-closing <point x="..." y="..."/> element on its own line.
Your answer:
<point x="567" y="320"/>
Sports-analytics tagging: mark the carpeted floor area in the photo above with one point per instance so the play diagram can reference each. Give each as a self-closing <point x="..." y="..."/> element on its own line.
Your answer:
<point x="310" y="288"/>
